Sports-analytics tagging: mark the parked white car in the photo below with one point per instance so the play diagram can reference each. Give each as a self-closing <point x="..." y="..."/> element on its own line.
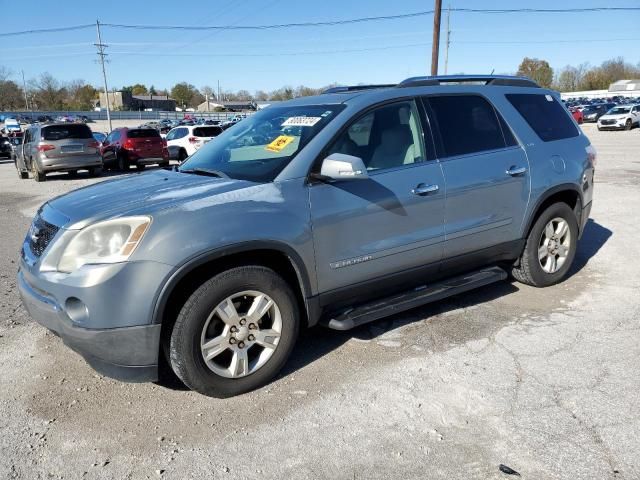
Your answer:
<point x="11" y="125"/>
<point x="622" y="116"/>
<point x="184" y="140"/>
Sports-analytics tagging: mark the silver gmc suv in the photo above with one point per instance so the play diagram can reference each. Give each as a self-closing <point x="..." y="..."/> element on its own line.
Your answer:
<point x="337" y="209"/>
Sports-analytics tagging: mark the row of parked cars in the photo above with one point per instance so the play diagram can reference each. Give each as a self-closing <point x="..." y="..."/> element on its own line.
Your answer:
<point x="610" y="114"/>
<point x="69" y="147"/>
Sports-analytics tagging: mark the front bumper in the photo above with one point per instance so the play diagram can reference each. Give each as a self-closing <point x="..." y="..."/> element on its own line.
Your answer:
<point x="105" y="323"/>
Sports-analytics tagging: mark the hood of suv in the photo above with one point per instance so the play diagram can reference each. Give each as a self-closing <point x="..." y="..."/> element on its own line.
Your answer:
<point x="139" y="194"/>
<point x="618" y="116"/>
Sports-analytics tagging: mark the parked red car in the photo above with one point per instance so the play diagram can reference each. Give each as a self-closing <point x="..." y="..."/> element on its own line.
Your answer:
<point x="124" y="147"/>
<point x="577" y="115"/>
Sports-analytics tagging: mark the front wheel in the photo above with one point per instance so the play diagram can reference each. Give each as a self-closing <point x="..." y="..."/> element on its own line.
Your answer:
<point x="235" y="332"/>
<point x="550" y="247"/>
<point x="628" y="124"/>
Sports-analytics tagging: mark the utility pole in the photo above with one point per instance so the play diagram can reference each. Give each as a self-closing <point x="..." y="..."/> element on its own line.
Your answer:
<point x="24" y="89"/>
<point x="101" y="46"/>
<point x="446" y="47"/>
<point x="219" y="99"/>
<point x="435" y="47"/>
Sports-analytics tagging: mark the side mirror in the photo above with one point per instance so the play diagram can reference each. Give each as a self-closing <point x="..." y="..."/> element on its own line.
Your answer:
<point x="339" y="166"/>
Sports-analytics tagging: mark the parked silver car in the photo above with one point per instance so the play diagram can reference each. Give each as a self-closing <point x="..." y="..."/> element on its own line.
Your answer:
<point x="58" y="147"/>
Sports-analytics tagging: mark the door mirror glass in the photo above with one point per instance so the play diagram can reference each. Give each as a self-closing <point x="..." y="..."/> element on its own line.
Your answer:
<point x="340" y="166"/>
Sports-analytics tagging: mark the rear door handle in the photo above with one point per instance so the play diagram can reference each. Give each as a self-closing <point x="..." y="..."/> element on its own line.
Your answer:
<point x="514" y="171"/>
<point x="423" y="189"/>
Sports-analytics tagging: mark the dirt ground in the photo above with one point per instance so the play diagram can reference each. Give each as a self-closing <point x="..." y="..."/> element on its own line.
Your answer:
<point x="544" y="381"/>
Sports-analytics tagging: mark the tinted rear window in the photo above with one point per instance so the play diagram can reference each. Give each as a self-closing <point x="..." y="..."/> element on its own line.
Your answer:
<point x="544" y="115"/>
<point x="142" y="133"/>
<point x="467" y="124"/>
<point x="62" y="132"/>
<point x="207" y="131"/>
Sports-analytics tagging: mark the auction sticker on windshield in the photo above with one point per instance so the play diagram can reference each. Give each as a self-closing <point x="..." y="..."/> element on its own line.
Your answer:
<point x="301" y="121"/>
<point x="280" y="143"/>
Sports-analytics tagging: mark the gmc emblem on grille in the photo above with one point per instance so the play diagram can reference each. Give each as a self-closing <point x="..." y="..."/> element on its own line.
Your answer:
<point x="34" y="233"/>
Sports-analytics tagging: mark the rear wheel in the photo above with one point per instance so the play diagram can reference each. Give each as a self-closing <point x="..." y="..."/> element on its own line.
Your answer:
<point x="235" y="332"/>
<point x="38" y="176"/>
<point x="550" y="247"/>
<point x="121" y="164"/>
<point x="139" y="166"/>
<point x="628" y="124"/>
<point x="182" y="155"/>
<point x="95" y="171"/>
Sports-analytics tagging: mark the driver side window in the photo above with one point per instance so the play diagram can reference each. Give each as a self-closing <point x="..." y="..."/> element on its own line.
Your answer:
<point x="387" y="137"/>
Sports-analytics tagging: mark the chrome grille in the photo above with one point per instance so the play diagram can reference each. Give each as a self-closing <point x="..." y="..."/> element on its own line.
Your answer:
<point x="608" y="122"/>
<point x="40" y="234"/>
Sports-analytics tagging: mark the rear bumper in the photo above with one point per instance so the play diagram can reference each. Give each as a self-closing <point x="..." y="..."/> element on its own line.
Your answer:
<point x="69" y="163"/>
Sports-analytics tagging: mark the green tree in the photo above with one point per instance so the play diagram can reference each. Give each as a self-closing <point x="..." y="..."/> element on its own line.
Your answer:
<point x="537" y="70"/>
<point x="139" y="89"/>
<point x="152" y="90"/>
<point x="185" y="94"/>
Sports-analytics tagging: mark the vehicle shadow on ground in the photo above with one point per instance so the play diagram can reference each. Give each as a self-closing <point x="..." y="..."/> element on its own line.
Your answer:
<point x="317" y="342"/>
<point x="593" y="239"/>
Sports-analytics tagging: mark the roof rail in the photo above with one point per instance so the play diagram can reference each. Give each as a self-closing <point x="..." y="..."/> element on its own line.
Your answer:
<point x="498" y="80"/>
<point x="355" y="88"/>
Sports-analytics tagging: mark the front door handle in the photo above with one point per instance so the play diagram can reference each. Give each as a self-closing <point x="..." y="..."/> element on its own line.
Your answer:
<point x="514" y="171"/>
<point x="423" y="189"/>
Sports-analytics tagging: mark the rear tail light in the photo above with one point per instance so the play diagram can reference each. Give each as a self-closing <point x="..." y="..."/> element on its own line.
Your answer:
<point x="93" y="144"/>
<point x="45" y="148"/>
<point x="592" y="154"/>
<point x="128" y="144"/>
<point x="193" y="139"/>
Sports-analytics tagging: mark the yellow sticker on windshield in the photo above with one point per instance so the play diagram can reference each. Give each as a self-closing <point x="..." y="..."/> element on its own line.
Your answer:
<point x="279" y="143"/>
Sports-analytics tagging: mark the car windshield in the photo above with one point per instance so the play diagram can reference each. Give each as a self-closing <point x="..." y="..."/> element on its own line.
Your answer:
<point x="259" y="147"/>
<point x="619" y="110"/>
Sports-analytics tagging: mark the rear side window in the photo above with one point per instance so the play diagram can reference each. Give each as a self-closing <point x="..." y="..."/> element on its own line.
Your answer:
<point x="142" y="133"/>
<point x="62" y="132"/>
<point x="467" y="124"/>
<point x="544" y="115"/>
<point x="207" y="131"/>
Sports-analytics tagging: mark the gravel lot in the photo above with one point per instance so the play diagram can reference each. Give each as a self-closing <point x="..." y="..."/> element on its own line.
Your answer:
<point x="544" y="381"/>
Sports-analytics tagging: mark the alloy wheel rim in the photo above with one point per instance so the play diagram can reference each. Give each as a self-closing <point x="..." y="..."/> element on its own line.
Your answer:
<point x="555" y="245"/>
<point x="241" y="334"/>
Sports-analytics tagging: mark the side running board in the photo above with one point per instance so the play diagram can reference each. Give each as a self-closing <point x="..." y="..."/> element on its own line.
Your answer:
<point x="368" y="312"/>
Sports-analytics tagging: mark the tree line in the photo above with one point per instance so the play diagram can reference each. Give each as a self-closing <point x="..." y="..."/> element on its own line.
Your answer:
<point x="48" y="93"/>
<point x="579" y="78"/>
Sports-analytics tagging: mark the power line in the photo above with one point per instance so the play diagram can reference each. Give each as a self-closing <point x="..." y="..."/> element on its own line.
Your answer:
<point x="325" y="23"/>
<point x="47" y="30"/>
<point x="319" y="52"/>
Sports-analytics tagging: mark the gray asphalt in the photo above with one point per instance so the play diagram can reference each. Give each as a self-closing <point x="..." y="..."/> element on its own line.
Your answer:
<point x="544" y="381"/>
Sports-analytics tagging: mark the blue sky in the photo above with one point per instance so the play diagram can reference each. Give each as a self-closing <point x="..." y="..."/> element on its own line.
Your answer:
<point x="166" y="57"/>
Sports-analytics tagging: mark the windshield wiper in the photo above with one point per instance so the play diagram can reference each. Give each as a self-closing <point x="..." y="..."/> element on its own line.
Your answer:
<point x="206" y="172"/>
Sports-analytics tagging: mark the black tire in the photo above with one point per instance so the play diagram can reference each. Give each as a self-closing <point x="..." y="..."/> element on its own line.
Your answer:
<point x="23" y="175"/>
<point x="164" y="164"/>
<point x="38" y="176"/>
<point x="73" y="173"/>
<point x="185" y="355"/>
<point x="182" y="155"/>
<point x="628" y="124"/>
<point x="140" y="166"/>
<point x="530" y="271"/>
<point x="95" y="171"/>
<point x="121" y="164"/>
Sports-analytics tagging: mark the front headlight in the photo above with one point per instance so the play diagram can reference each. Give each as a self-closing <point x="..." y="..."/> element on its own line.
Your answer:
<point x="110" y="241"/>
